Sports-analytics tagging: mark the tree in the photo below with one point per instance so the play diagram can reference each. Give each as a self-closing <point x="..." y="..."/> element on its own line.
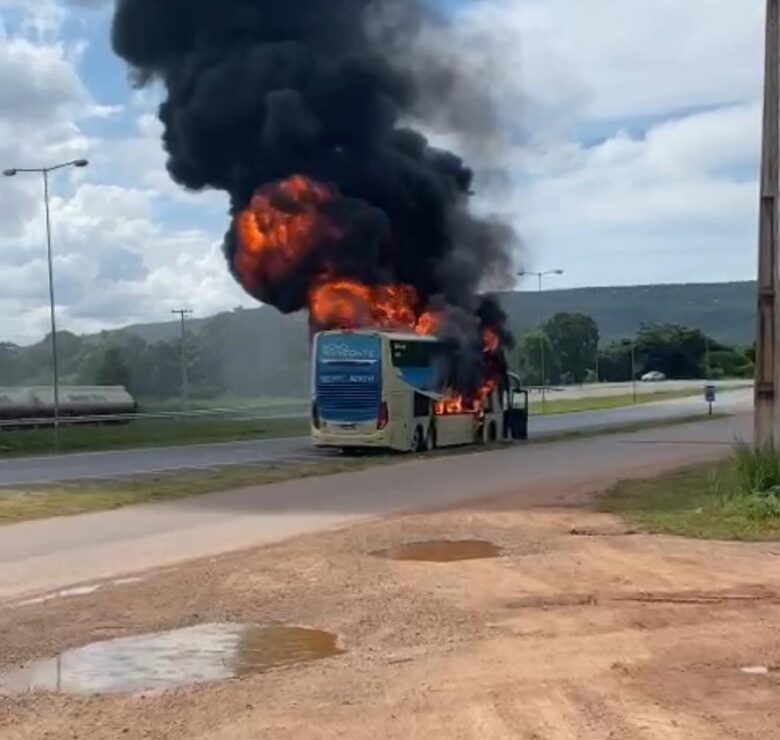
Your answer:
<point x="13" y="367"/>
<point x="615" y="361"/>
<point x="575" y="339"/>
<point x="676" y="351"/>
<point x="529" y="359"/>
<point x="110" y="367"/>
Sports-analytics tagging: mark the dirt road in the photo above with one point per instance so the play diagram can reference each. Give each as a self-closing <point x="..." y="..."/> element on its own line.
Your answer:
<point x="600" y="634"/>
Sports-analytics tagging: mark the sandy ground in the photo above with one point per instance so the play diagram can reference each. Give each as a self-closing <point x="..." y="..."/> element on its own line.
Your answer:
<point x="580" y="630"/>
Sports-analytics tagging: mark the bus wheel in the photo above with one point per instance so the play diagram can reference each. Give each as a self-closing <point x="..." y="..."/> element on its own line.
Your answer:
<point x="430" y="439"/>
<point x="418" y="440"/>
<point x="491" y="432"/>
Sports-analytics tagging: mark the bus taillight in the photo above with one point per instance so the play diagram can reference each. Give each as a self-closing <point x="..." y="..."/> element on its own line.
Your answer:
<point x="315" y="415"/>
<point x="384" y="416"/>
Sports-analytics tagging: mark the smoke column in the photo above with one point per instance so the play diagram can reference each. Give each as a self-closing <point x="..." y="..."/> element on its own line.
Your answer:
<point x="300" y="110"/>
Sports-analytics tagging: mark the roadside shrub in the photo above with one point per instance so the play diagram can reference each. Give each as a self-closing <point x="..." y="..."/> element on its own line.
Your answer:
<point x="762" y="507"/>
<point x="757" y="471"/>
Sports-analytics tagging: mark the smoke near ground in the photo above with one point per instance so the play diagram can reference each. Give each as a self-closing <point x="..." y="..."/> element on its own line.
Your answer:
<point x="259" y="91"/>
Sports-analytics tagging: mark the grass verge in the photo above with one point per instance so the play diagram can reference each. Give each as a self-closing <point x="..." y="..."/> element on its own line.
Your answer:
<point x="42" y="501"/>
<point x="147" y="433"/>
<point x="703" y="501"/>
<point x="25" y="503"/>
<point x="598" y="403"/>
<point x="185" y="431"/>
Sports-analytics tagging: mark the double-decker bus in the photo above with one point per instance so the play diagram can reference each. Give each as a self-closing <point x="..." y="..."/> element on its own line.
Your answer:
<point x="376" y="389"/>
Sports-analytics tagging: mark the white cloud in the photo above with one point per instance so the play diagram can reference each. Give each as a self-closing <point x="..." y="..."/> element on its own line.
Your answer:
<point x="615" y="59"/>
<point x="637" y="128"/>
<point x="113" y="266"/>
<point x="631" y="131"/>
<point x="114" y="262"/>
<point x="672" y="205"/>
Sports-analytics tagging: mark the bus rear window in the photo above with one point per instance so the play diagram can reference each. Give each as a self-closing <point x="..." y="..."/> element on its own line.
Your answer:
<point x="412" y="354"/>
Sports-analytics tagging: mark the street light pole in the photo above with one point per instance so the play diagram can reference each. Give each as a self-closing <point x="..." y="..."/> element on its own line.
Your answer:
<point x="183" y="312"/>
<point x="540" y="275"/>
<point x="44" y="172"/>
<point x="52" y="315"/>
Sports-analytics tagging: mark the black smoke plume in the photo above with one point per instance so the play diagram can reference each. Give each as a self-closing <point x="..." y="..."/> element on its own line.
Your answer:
<point x="260" y="90"/>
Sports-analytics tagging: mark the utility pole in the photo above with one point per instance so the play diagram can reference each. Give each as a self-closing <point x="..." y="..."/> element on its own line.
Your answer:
<point x="633" y="371"/>
<point x="766" y="381"/>
<point x="542" y="336"/>
<point x="183" y="312"/>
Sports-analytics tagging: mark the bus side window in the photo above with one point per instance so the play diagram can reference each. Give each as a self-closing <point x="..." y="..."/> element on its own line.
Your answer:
<point x="422" y="405"/>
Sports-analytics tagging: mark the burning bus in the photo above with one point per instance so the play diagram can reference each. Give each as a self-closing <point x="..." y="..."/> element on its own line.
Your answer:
<point x="310" y="114"/>
<point x="390" y="390"/>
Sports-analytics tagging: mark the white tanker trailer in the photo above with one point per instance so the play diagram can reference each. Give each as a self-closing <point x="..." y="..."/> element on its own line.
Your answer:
<point x="33" y="404"/>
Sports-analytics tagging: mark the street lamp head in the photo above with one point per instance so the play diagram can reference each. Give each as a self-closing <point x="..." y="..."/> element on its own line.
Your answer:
<point x="80" y="163"/>
<point x="9" y="173"/>
<point x="557" y="272"/>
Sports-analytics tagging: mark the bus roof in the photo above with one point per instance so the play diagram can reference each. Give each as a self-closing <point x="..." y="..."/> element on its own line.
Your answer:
<point x="404" y="336"/>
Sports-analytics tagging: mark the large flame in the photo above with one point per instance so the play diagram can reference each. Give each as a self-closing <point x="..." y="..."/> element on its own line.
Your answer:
<point x="279" y="228"/>
<point x="349" y="304"/>
<point x="283" y="225"/>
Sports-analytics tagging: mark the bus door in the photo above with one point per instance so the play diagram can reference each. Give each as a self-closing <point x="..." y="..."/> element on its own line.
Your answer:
<point x="517" y="412"/>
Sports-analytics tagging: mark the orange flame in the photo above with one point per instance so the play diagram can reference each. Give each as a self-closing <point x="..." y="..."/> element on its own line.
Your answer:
<point x="349" y="304"/>
<point x="279" y="228"/>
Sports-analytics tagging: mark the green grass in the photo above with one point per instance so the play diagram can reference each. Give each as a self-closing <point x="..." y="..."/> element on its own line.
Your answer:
<point x="597" y="403"/>
<point x="705" y="501"/>
<point x="25" y="503"/>
<point x="151" y="405"/>
<point x="147" y="433"/>
<point x="193" y="430"/>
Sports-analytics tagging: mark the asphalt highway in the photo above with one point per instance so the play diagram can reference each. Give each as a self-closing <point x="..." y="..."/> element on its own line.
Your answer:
<point x="39" y="556"/>
<point x="19" y="471"/>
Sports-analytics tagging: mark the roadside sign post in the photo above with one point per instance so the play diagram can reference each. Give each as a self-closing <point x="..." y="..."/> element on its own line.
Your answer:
<point x="709" y="396"/>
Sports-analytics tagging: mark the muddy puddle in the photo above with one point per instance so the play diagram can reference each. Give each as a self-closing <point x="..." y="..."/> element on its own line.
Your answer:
<point x="441" y="551"/>
<point x="204" y="653"/>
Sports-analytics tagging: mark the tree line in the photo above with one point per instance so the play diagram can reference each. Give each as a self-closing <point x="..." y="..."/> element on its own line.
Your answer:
<point x="243" y="354"/>
<point x="569" y="346"/>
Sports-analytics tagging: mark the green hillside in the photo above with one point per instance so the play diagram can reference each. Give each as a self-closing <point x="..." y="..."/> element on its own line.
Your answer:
<point x="258" y="352"/>
<point x="724" y="311"/>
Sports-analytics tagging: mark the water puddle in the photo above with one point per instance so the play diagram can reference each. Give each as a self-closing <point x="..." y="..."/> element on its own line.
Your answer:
<point x="208" y="652"/>
<point x="758" y="670"/>
<point x="441" y="551"/>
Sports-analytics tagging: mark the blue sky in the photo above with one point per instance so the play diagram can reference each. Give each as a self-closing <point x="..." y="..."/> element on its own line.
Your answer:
<point x="631" y="139"/>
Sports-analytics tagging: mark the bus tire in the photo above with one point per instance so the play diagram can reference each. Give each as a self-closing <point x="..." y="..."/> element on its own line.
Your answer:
<point x="491" y="432"/>
<point x="430" y="441"/>
<point x="418" y="440"/>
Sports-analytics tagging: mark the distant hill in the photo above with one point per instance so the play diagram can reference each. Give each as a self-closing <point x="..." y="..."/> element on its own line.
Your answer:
<point x="725" y="311"/>
<point x="259" y="352"/>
